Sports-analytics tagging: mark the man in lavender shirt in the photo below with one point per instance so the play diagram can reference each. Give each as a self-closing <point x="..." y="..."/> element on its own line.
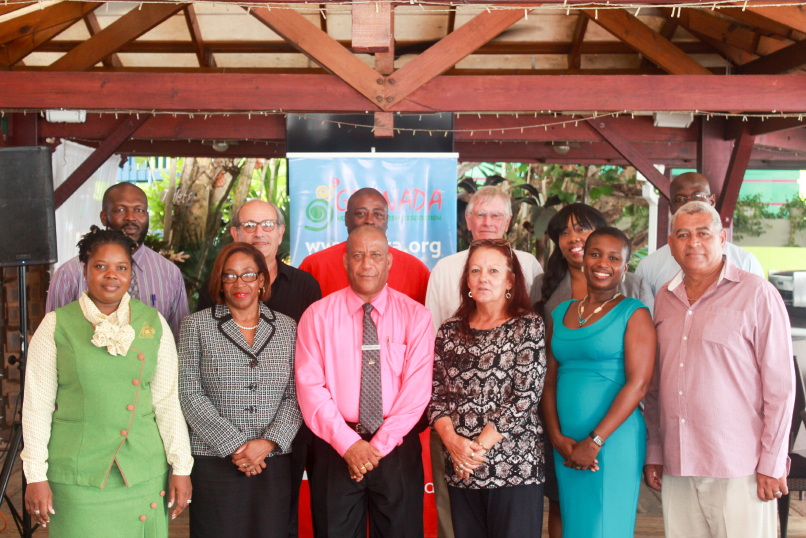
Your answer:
<point x="720" y="404"/>
<point x="155" y="281"/>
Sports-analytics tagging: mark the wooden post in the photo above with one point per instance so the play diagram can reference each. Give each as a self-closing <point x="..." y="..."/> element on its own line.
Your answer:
<point x="372" y="31"/>
<point x="713" y="152"/>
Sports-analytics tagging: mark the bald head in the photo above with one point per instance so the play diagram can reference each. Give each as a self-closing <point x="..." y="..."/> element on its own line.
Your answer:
<point x="690" y="187"/>
<point x="125" y="208"/>
<point x="366" y="207"/>
<point x="367" y="261"/>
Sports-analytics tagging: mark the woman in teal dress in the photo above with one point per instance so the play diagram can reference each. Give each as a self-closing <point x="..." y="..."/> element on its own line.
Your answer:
<point x="600" y="366"/>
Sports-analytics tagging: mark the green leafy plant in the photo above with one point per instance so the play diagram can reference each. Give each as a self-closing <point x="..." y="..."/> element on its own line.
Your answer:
<point x="748" y="215"/>
<point x="795" y="211"/>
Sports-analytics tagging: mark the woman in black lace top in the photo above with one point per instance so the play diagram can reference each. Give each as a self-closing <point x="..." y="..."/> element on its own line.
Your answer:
<point x="488" y="377"/>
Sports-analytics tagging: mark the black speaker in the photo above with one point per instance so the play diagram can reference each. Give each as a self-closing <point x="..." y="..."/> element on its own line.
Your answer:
<point x="27" y="215"/>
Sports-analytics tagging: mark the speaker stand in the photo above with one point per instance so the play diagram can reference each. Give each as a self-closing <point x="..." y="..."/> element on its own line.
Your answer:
<point x="22" y="520"/>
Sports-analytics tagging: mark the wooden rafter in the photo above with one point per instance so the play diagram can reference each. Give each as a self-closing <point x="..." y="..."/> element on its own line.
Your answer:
<point x="449" y="51"/>
<point x="633" y="155"/>
<point x="791" y="16"/>
<point x="575" y="54"/>
<point x="8" y="8"/>
<point x="739" y="159"/>
<point x="645" y="40"/>
<point x="169" y="91"/>
<point x="105" y="150"/>
<point x="42" y="20"/>
<point x="203" y="54"/>
<point x="792" y="58"/>
<point x="713" y="152"/>
<point x="324" y="50"/>
<point x="14" y="51"/>
<point x="93" y="27"/>
<point x="127" y="28"/>
<point x="667" y="31"/>
<point x="764" y="25"/>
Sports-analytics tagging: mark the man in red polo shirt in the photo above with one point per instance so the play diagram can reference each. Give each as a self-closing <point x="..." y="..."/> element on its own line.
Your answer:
<point x="408" y="275"/>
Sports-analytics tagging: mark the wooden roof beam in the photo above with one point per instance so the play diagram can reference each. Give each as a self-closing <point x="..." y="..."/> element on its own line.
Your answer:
<point x="171" y="91"/>
<point x="42" y="20"/>
<point x="98" y="157"/>
<point x="93" y="28"/>
<point x="324" y="50"/>
<point x="575" y="54"/>
<point x="649" y="43"/>
<point x="739" y="159"/>
<point x="633" y="154"/>
<point x="762" y="24"/>
<point x="790" y="16"/>
<point x="203" y="54"/>
<point x="127" y="28"/>
<point x="446" y="53"/>
<point x="792" y="58"/>
<point x="8" y="8"/>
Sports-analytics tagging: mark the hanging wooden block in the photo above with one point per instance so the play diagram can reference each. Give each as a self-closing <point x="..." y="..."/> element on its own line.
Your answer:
<point x="372" y="28"/>
<point x="384" y="125"/>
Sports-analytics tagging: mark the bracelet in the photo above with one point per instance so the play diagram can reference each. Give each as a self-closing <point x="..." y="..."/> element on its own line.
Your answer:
<point x="476" y="440"/>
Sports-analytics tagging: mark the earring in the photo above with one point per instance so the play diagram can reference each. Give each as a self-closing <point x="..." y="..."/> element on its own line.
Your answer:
<point x="509" y="295"/>
<point x="262" y="290"/>
<point x="470" y="294"/>
<point x="624" y="277"/>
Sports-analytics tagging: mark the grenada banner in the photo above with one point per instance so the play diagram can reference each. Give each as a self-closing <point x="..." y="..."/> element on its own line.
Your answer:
<point x="419" y="188"/>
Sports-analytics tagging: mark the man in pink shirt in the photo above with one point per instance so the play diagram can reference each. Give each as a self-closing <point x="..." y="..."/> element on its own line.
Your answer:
<point x="364" y="365"/>
<point x="720" y="405"/>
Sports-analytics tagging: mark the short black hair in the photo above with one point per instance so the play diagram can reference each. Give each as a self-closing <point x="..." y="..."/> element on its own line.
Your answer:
<point x="611" y="231"/>
<point x="96" y="237"/>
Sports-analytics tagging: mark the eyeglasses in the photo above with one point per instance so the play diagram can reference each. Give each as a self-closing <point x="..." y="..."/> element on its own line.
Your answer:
<point x="681" y="200"/>
<point x="250" y="226"/>
<point x="231" y="278"/>
<point x="495" y="216"/>
<point x="494" y="243"/>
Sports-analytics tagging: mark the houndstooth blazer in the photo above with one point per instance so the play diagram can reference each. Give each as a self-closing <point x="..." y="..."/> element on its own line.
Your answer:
<point x="232" y="393"/>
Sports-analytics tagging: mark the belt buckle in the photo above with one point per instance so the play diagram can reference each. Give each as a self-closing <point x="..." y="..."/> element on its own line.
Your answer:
<point x="359" y="428"/>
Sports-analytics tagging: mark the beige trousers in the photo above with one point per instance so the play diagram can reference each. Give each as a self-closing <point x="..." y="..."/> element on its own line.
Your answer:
<point x="444" y="524"/>
<point x="695" y="507"/>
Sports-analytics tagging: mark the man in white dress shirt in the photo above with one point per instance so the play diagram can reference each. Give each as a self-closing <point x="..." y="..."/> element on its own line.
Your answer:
<point x="488" y="214"/>
<point x="659" y="267"/>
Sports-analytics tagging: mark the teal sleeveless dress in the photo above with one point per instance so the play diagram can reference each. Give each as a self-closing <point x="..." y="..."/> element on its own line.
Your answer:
<point x="591" y="372"/>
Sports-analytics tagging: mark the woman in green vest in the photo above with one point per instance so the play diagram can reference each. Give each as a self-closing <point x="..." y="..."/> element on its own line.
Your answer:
<point x="101" y="417"/>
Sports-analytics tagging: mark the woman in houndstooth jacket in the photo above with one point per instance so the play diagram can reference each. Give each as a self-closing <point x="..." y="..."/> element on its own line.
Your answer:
<point x="236" y="387"/>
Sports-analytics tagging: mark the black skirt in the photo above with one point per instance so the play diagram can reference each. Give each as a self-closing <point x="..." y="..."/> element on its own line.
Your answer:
<point x="229" y="504"/>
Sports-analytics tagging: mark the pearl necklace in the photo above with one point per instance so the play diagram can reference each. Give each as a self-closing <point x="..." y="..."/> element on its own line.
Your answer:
<point x="247" y="328"/>
<point x="581" y="309"/>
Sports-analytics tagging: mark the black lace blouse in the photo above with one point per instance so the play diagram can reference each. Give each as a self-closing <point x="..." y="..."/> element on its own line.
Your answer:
<point x="497" y="379"/>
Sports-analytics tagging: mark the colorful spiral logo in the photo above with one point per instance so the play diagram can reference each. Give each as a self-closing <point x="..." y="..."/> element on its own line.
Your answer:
<point x="319" y="212"/>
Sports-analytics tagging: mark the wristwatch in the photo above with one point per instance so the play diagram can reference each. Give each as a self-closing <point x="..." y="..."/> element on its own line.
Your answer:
<point x="596" y="439"/>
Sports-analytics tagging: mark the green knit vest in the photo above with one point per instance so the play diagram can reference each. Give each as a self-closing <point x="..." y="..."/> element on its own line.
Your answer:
<point x="92" y="425"/>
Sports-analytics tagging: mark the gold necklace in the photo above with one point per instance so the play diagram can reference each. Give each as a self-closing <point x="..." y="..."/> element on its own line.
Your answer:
<point x="581" y="309"/>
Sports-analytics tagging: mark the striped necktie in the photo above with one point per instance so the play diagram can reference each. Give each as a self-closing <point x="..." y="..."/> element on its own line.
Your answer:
<point x="370" y="411"/>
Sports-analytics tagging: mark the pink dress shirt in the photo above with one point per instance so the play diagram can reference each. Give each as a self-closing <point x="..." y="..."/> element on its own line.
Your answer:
<point x="328" y="366"/>
<point x="720" y="403"/>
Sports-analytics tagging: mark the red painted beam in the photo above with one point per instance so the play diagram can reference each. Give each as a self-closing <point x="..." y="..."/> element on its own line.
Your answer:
<point x="98" y="157"/>
<point x="713" y="152"/>
<point x="794" y="139"/>
<point x="739" y="159"/>
<point x="633" y="154"/>
<point x="327" y="93"/>
<point x="677" y="152"/>
<point x="179" y="128"/>
<point x="195" y="148"/>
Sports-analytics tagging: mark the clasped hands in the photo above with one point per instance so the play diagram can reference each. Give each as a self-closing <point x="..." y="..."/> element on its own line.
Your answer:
<point x="248" y="458"/>
<point x="580" y="456"/>
<point x="362" y="458"/>
<point x="466" y="454"/>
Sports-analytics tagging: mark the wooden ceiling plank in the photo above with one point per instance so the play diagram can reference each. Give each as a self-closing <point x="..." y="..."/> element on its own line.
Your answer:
<point x="170" y="91"/>
<point x="739" y="159"/>
<point x="371" y="27"/>
<point x="449" y="51"/>
<point x="791" y="16"/>
<point x="93" y="27"/>
<point x="204" y="57"/>
<point x="633" y="154"/>
<point x="98" y="157"/>
<point x="323" y="49"/>
<point x="792" y="58"/>
<point x="127" y="28"/>
<point x="575" y="54"/>
<point x="41" y="20"/>
<point x="649" y="43"/>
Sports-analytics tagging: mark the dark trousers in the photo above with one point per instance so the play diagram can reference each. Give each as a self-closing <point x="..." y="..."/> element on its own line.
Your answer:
<point x="229" y="504"/>
<point x="513" y="512"/>
<point x="302" y="456"/>
<point x="390" y="495"/>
